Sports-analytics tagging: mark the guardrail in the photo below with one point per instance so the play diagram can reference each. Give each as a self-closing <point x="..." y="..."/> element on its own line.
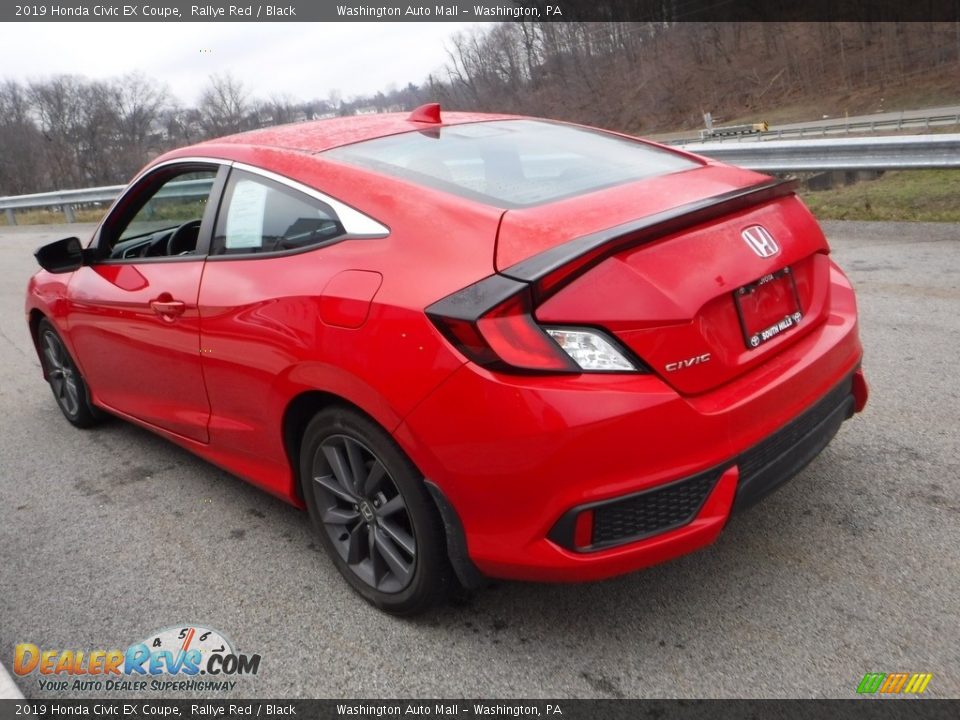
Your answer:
<point x="908" y="152"/>
<point x="905" y="152"/>
<point x="810" y="130"/>
<point x="67" y="200"/>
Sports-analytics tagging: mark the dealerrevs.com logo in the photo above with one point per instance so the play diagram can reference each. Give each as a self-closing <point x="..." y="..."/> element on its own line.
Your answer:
<point x="181" y="658"/>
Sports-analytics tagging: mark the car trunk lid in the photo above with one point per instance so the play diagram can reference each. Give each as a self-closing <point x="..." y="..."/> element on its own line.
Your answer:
<point x="696" y="290"/>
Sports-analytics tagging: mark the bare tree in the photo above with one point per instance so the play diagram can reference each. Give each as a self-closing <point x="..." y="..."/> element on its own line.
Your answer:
<point x="58" y="105"/>
<point x="140" y="106"/>
<point x="224" y="106"/>
<point x="20" y="138"/>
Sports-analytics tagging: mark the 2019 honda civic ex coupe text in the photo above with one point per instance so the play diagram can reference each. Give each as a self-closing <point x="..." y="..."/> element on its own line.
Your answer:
<point x="469" y="345"/>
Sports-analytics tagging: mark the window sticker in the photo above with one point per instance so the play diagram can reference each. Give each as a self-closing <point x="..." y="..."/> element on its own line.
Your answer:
<point x="245" y="216"/>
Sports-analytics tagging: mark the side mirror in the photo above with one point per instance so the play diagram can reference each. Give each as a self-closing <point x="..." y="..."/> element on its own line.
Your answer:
<point x="61" y="256"/>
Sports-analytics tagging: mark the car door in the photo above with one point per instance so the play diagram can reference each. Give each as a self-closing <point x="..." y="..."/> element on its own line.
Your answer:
<point x="132" y="312"/>
<point x="277" y="288"/>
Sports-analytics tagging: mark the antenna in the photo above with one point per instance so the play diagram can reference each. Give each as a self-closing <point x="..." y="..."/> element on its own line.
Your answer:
<point x="429" y="113"/>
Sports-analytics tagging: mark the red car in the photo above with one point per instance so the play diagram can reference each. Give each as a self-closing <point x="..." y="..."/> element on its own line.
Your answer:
<point x="469" y="345"/>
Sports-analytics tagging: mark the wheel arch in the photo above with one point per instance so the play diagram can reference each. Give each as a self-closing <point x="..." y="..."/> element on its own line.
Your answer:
<point x="33" y="321"/>
<point x="298" y="414"/>
<point x="300" y="410"/>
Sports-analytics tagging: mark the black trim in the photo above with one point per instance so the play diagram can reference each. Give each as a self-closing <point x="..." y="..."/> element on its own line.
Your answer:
<point x="151" y="260"/>
<point x="209" y="220"/>
<point x="562" y="531"/>
<point x="477" y="299"/>
<point x="293" y="251"/>
<point x="764" y="467"/>
<point x="467" y="573"/>
<point x="773" y="461"/>
<point x="638" y="232"/>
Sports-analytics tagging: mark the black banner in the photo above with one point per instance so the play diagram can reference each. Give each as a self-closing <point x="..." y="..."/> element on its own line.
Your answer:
<point x="483" y="11"/>
<point x="109" y="708"/>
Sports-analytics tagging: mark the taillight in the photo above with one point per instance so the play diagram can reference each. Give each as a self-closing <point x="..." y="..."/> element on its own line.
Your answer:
<point x="513" y="335"/>
<point x="592" y="350"/>
<point x="506" y="336"/>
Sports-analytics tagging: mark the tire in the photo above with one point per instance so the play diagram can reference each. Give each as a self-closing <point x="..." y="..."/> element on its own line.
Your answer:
<point x="69" y="389"/>
<point x="372" y="513"/>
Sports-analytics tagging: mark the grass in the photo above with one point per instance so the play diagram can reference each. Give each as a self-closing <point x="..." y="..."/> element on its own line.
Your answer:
<point x="51" y="217"/>
<point x="181" y="211"/>
<point x="917" y="195"/>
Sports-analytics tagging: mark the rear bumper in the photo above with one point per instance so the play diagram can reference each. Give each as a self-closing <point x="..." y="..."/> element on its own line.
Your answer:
<point x="769" y="464"/>
<point x="760" y="470"/>
<point x="518" y="457"/>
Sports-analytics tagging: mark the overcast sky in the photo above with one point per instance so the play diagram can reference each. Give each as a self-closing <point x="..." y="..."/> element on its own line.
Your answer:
<point x="304" y="60"/>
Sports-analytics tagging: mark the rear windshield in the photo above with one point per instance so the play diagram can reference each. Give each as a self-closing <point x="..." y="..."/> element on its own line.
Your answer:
<point x="513" y="163"/>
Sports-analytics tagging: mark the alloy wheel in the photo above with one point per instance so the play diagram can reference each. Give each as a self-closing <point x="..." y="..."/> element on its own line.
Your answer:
<point x="364" y="514"/>
<point x="62" y="374"/>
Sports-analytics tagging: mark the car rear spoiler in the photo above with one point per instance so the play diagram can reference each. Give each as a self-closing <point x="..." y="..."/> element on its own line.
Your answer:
<point x="653" y="227"/>
<point x="548" y="271"/>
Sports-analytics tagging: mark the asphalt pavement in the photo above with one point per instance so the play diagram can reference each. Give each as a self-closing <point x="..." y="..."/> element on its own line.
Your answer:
<point x="108" y="535"/>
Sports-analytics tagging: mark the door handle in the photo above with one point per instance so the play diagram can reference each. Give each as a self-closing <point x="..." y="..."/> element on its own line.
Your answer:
<point x="168" y="309"/>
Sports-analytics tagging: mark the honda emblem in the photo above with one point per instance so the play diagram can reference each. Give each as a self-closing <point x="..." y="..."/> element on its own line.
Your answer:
<point x="760" y="241"/>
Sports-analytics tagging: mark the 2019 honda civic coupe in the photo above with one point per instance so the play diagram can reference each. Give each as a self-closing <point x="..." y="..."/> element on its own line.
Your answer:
<point x="469" y="345"/>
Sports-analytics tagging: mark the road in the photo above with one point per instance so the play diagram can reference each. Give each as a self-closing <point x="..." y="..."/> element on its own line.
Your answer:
<point x="853" y="567"/>
<point x="830" y="126"/>
<point x="875" y="117"/>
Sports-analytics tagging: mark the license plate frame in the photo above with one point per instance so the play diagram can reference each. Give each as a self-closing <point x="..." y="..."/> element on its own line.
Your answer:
<point x="779" y="291"/>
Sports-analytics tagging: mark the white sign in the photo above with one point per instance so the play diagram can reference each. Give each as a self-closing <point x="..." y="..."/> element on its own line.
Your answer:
<point x="245" y="216"/>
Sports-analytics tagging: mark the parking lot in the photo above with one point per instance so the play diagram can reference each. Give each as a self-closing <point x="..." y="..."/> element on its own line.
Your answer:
<point x="111" y="534"/>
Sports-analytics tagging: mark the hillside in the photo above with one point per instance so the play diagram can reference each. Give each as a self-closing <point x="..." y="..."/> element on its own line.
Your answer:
<point x="643" y="78"/>
<point x="646" y="79"/>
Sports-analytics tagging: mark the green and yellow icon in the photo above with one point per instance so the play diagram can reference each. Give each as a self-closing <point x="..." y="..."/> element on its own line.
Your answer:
<point x="894" y="683"/>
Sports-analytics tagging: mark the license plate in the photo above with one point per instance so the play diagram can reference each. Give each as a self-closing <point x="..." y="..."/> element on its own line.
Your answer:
<point x="768" y="307"/>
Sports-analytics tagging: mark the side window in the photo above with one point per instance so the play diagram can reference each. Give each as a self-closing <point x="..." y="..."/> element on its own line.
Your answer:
<point x="162" y="215"/>
<point x="258" y="215"/>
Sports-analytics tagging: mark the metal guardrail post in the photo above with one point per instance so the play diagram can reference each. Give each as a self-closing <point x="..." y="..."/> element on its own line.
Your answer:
<point x="11" y="218"/>
<point x="68" y="212"/>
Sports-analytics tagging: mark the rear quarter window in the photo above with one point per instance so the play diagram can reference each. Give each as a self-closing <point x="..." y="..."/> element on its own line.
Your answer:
<point x="513" y="163"/>
<point x="261" y="216"/>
